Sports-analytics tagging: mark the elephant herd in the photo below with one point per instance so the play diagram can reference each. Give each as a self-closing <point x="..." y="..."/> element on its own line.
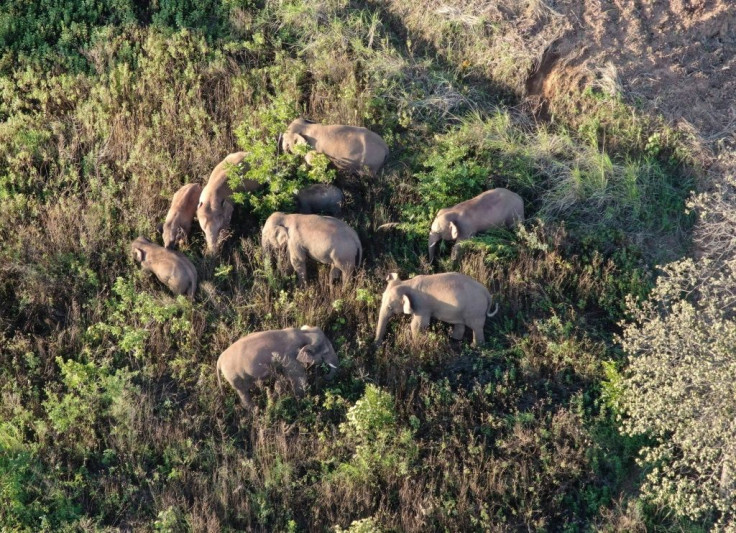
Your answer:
<point x="449" y="297"/>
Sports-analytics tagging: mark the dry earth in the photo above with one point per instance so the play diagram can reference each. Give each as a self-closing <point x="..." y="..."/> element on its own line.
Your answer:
<point x="677" y="57"/>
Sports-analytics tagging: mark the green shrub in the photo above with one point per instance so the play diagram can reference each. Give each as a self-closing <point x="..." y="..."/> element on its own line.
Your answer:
<point x="679" y="389"/>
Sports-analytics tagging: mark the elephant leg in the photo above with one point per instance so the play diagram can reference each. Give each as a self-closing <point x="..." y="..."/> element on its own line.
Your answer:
<point x="418" y="323"/>
<point x="478" y="335"/>
<point x="242" y="386"/>
<point x="334" y="274"/>
<point x="458" y="331"/>
<point x="299" y="262"/>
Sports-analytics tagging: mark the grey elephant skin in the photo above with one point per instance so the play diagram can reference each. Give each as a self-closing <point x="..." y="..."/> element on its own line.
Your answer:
<point x="173" y="269"/>
<point x="450" y="297"/>
<point x="320" y="199"/>
<point x="253" y="357"/>
<point x="215" y="208"/>
<point x="325" y="239"/>
<point x="179" y="219"/>
<point x="494" y="208"/>
<point x="350" y="148"/>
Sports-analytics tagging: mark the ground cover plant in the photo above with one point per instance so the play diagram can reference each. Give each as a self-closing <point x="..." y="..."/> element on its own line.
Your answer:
<point x="111" y="418"/>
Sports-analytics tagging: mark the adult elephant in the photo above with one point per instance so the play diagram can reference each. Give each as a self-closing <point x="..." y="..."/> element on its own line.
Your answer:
<point x="450" y="297"/>
<point x="253" y="357"/>
<point x="494" y="208"/>
<point x="325" y="239"/>
<point x="215" y="205"/>
<point x="350" y="148"/>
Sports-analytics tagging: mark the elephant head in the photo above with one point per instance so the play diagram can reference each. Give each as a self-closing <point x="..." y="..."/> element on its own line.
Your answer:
<point x="396" y="299"/>
<point x="173" y="234"/>
<point x="293" y="135"/>
<point x="317" y="351"/>
<point x="213" y="218"/>
<point x="445" y="227"/>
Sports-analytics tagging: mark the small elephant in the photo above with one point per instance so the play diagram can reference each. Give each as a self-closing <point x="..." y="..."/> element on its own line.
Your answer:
<point x="320" y="198"/>
<point x="497" y="207"/>
<point x="173" y="269"/>
<point x="178" y="222"/>
<point x="215" y="206"/>
<point x="450" y="297"/>
<point x="350" y="148"/>
<point x="250" y="358"/>
<point x="325" y="239"/>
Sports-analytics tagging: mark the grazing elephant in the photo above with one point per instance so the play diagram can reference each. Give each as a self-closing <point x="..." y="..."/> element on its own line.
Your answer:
<point x="181" y="213"/>
<point x="173" y="269"/>
<point x="350" y="148"/>
<point x="451" y="297"/>
<point x="215" y="206"/>
<point x="320" y="198"/>
<point x="325" y="239"/>
<point x="497" y="207"/>
<point x="250" y="358"/>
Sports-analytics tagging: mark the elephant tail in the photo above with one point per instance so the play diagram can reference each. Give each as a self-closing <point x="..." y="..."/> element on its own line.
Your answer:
<point x="488" y="311"/>
<point x="360" y="252"/>
<point x="219" y="382"/>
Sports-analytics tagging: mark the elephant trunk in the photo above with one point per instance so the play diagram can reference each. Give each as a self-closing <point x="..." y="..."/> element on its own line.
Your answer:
<point x="434" y="238"/>
<point x="210" y="237"/>
<point x="382" y="323"/>
<point x="332" y="362"/>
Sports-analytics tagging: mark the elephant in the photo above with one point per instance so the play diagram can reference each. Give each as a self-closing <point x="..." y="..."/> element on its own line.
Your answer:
<point x="320" y="198"/>
<point x="350" y="148"/>
<point x="496" y="207"/>
<point x="173" y="269"/>
<point x="250" y="358"/>
<point x="215" y="206"/>
<point x="181" y="213"/>
<point x="450" y="297"/>
<point x="325" y="239"/>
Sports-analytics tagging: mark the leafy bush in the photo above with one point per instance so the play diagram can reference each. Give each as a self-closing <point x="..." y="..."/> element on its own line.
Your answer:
<point x="382" y="448"/>
<point x="679" y="389"/>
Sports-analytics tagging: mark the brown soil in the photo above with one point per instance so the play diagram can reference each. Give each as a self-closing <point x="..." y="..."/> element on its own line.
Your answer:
<point x="674" y="57"/>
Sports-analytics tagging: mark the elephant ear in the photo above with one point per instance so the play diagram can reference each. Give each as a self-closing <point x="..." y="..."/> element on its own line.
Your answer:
<point x="454" y="230"/>
<point x="282" y="235"/>
<point x="407" y="304"/>
<point x="305" y="356"/>
<point x="299" y="139"/>
<point x="140" y="254"/>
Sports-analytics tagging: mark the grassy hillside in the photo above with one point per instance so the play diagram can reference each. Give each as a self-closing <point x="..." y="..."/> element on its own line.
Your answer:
<point x="111" y="418"/>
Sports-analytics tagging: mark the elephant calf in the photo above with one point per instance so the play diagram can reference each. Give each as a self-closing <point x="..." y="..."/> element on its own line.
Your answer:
<point x="252" y="357"/>
<point x="350" y="148"/>
<point x="181" y="213"/>
<point x="215" y="206"/>
<point x="497" y="207"/>
<point x="320" y="198"/>
<point x="451" y="297"/>
<point x="172" y="268"/>
<point x="328" y="240"/>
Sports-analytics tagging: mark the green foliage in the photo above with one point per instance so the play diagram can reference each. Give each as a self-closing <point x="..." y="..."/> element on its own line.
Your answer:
<point x="92" y="393"/>
<point x="132" y="314"/>
<point x="382" y="448"/>
<point x="678" y="389"/>
<point x="284" y="173"/>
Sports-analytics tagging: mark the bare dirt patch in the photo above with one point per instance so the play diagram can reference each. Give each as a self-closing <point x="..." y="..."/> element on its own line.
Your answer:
<point x="675" y="57"/>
